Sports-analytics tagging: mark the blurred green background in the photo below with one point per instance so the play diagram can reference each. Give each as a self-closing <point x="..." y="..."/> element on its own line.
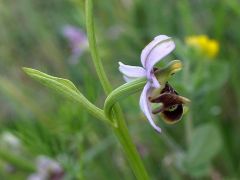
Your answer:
<point x="47" y="124"/>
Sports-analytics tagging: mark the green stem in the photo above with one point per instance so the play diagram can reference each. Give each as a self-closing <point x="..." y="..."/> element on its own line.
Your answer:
<point x="130" y="150"/>
<point x="121" y="130"/>
<point x="120" y="93"/>
<point x="93" y="48"/>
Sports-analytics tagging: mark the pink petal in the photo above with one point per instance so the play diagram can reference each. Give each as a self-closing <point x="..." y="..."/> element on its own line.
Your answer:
<point x="131" y="71"/>
<point x="155" y="82"/>
<point x="145" y="106"/>
<point x="129" y="79"/>
<point x="160" y="47"/>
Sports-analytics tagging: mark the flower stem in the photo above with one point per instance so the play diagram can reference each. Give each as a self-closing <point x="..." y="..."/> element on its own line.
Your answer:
<point x="93" y="48"/>
<point x="120" y="93"/>
<point x="120" y="130"/>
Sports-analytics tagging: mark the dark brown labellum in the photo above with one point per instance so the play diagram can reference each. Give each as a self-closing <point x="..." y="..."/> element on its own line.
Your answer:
<point x="172" y="104"/>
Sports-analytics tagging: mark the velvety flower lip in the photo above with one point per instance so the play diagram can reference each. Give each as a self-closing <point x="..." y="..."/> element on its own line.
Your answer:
<point x="155" y="51"/>
<point x="172" y="104"/>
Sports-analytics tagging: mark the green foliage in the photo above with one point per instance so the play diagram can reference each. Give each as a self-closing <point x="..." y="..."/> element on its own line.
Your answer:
<point x="206" y="143"/>
<point x="30" y="36"/>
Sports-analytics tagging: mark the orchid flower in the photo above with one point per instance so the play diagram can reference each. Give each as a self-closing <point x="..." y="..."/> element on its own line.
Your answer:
<point x="155" y="51"/>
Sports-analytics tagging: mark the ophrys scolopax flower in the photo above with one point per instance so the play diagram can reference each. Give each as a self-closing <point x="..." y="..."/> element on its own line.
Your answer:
<point x="155" y="51"/>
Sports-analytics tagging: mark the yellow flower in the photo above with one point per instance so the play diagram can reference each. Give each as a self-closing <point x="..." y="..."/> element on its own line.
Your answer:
<point x="213" y="48"/>
<point x="206" y="46"/>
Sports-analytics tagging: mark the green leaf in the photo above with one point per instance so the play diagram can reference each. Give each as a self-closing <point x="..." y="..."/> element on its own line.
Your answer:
<point x="196" y="161"/>
<point x="66" y="88"/>
<point x="63" y="86"/>
<point x="196" y="171"/>
<point x="200" y="170"/>
<point x="206" y="143"/>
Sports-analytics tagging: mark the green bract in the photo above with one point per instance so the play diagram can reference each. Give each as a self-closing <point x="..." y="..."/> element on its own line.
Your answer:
<point x="66" y="88"/>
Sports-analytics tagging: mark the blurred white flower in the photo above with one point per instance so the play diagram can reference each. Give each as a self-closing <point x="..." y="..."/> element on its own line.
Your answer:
<point x="77" y="41"/>
<point x="10" y="140"/>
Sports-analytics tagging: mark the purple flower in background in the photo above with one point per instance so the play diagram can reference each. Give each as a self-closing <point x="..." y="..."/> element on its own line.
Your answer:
<point x="156" y="50"/>
<point x="47" y="169"/>
<point x="77" y="40"/>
